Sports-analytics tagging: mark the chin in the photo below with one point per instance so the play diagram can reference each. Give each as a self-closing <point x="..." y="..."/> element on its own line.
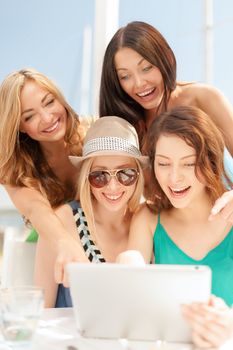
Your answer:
<point x="60" y="135"/>
<point x="114" y="208"/>
<point x="178" y="205"/>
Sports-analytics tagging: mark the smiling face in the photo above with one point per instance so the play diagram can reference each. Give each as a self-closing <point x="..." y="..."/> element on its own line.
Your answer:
<point x="114" y="196"/>
<point x="43" y="117"/>
<point x="174" y="168"/>
<point x="141" y="80"/>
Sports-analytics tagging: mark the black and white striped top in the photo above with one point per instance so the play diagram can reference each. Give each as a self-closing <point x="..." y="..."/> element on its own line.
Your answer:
<point x="91" y="250"/>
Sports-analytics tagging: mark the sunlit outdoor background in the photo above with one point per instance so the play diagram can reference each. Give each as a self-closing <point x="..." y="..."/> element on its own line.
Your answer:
<point x="66" y="39"/>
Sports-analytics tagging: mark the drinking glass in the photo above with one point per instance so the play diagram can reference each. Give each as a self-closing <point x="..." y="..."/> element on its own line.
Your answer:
<point x="21" y="308"/>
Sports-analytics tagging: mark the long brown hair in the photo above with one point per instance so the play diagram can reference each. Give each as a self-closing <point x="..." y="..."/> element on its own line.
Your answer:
<point x="22" y="162"/>
<point x="150" y="44"/>
<point x="198" y="130"/>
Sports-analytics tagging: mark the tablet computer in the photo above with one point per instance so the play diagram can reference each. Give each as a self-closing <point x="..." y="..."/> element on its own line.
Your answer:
<point x="136" y="302"/>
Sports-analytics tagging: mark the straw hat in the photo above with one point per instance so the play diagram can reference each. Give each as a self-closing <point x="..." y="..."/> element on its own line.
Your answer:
<point x="111" y="136"/>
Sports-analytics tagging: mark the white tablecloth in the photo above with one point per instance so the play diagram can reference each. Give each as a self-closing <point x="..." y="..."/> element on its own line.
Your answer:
<point x="57" y="331"/>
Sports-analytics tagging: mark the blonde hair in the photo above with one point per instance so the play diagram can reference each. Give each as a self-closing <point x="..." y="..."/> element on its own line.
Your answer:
<point x="85" y="195"/>
<point x="22" y="162"/>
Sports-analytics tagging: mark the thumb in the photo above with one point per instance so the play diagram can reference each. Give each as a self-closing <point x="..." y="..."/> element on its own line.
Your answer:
<point x="216" y="302"/>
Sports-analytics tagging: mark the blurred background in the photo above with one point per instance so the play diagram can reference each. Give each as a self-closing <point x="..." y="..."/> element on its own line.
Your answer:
<point x="66" y="39"/>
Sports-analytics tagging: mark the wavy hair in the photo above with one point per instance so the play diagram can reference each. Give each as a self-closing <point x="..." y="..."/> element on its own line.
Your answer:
<point x="199" y="132"/>
<point x="150" y="44"/>
<point x="22" y="162"/>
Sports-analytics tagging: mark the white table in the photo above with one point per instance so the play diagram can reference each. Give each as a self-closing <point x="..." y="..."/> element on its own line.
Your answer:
<point x="57" y="331"/>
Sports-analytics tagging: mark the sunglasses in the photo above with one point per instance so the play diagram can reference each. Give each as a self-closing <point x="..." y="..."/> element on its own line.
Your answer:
<point x="101" y="178"/>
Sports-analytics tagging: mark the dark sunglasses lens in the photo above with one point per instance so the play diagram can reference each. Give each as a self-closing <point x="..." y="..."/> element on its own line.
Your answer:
<point x="99" y="179"/>
<point x="127" y="177"/>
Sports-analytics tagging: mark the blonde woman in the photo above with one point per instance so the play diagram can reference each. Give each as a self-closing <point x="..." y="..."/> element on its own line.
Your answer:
<point x="38" y="131"/>
<point x="110" y="187"/>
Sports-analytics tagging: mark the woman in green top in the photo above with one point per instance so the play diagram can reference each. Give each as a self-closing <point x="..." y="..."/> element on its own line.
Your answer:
<point x="186" y="155"/>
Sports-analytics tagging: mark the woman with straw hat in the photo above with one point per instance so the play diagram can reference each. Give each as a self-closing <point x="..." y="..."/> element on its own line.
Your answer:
<point x="109" y="188"/>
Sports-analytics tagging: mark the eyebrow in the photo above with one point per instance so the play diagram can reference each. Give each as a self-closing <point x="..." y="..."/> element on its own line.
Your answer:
<point x="42" y="101"/>
<point x="162" y="156"/>
<point x="138" y="64"/>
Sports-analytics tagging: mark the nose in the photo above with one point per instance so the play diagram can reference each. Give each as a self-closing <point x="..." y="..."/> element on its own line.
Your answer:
<point x="175" y="175"/>
<point x="139" y="80"/>
<point x="113" y="183"/>
<point x="46" y="116"/>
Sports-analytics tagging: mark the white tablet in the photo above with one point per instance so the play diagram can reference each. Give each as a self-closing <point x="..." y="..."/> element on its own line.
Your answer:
<point x="136" y="302"/>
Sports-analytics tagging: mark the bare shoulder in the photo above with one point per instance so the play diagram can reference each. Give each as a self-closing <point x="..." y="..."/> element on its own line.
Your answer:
<point x="211" y="101"/>
<point x="203" y="96"/>
<point x="146" y="216"/>
<point x="198" y="90"/>
<point x="204" y="90"/>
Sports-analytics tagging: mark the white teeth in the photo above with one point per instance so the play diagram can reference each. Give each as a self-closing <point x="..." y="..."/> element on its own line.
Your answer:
<point x="113" y="197"/>
<point x="179" y="189"/>
<point x="52" y="127"/>
<point x="145" y="93"/>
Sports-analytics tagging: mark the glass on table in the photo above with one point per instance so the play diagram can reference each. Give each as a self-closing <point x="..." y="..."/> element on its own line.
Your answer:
<point x="21" y="309"/>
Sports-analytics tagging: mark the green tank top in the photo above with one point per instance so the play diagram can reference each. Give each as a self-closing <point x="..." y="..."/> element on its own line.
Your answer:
<point x="219" y="259"/>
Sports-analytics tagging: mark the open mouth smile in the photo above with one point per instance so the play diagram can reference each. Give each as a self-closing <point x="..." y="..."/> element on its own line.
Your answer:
<point x="179" y="192"/>
<point x="113" y="198"/>
<point x="52" y="128"/>
<point x="146" y="93"/>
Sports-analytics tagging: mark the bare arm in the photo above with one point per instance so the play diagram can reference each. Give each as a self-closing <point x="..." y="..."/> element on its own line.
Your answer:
<point x="36" y="208"/>
<point x="140" y="238"/>
<point x="46" y="257"/>
<point x="44" y="271"/>
<point x="50" y="228"/>
<point x="215" y="104"/>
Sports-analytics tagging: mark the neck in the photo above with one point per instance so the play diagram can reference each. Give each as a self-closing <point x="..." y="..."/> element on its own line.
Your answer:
<point x="150" y="114"/>
<point x="53" y="149"/>
<point x="111" y="218"/>
<point x="198" y="210"/>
